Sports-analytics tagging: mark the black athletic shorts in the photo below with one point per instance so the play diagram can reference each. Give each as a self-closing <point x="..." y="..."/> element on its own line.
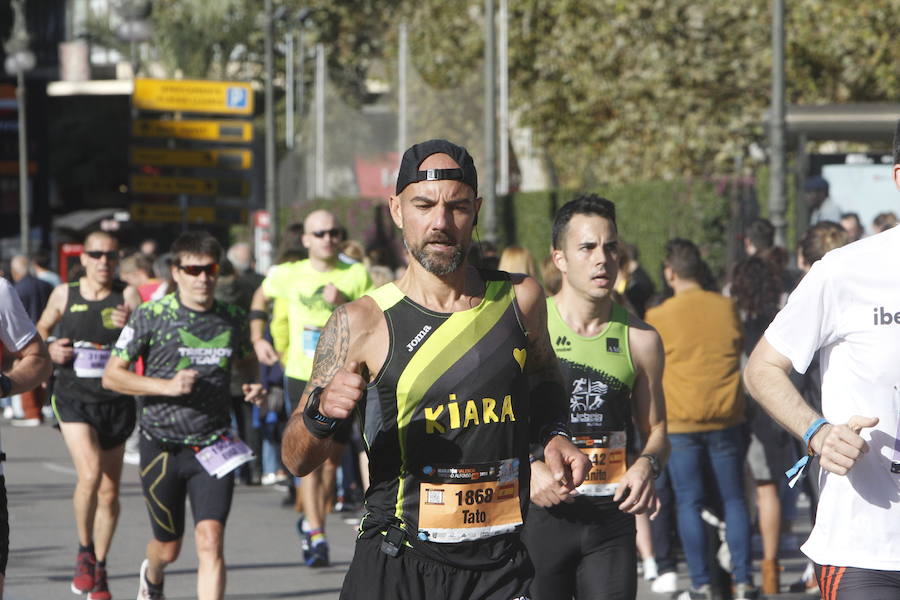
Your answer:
<point x="113" y="420"/>
<point x="4" y="527"/>
<point x="171" y="474"/>
<point x="295" y="389"/>
<point x="582" y="551"/>
<point x="373" y="575"/>
<point x="851" y="583"/>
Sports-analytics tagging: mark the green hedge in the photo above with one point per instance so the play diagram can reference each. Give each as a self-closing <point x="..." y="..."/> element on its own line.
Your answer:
<point x="648" y="215"/>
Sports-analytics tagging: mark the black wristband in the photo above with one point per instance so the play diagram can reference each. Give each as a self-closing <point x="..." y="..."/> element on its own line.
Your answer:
<point x="5" y="385"/>
<point x="553" y="429"/>
<point x="319" y="425"/>
<point x="255" y="315"/>
<point x="655" y="468"/>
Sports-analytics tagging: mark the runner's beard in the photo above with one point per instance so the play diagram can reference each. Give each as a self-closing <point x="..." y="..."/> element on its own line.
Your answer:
<point x="434" y="263"/>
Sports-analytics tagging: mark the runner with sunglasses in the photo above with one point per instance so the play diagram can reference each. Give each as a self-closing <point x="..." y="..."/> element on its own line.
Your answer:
<point x="188" y="341"/>
<point x="86" y="317"/>
<point x="313" y="288"/>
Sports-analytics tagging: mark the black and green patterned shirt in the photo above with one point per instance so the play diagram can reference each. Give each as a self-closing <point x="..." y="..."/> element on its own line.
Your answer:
<point x="170" y="338"/>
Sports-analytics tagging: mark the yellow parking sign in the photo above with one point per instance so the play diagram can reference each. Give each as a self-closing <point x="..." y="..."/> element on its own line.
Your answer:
<point x="194" y="96"/>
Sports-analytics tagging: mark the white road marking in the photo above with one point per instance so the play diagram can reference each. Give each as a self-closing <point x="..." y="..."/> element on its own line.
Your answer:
<point x="60" y="469"/>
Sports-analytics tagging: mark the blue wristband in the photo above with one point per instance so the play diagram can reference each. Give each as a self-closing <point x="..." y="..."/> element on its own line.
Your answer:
<point x="813" y="430"/>
<point x="796" y="472"/>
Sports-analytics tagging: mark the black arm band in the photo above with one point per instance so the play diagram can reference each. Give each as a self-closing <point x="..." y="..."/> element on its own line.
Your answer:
<point x="536" y="448"/>
<point x="552" y="430"/>
<point x="317" y="428"/>
<point x="319" y="425"/>
<point x="254" y="315"/>
<point x="549" y="410"/>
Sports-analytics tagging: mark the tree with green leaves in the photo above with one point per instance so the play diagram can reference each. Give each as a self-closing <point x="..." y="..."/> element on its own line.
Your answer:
<point x="612" y="90"/>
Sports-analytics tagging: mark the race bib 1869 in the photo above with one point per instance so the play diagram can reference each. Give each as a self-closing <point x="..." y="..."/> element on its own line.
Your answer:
<point x="607" y="454"/>
<point x="469" y="502"/>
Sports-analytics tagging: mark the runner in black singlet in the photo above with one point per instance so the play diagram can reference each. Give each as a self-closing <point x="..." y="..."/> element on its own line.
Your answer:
<point x="94" y="422"/>
<point x="188" y="341"/>
<point x="452" y="375"/>
<point x="583" y="543"/>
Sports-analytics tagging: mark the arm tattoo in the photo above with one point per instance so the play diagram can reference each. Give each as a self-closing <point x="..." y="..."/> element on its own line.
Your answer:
<point x="332" y="350"/>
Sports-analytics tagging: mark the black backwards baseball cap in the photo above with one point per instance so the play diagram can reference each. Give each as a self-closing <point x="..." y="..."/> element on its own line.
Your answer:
<point x="416" y="155"/>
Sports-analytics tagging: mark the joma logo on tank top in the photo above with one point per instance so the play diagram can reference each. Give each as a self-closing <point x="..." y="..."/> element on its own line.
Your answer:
<point x="419" y="337"/>
<point x="453" y="416"/>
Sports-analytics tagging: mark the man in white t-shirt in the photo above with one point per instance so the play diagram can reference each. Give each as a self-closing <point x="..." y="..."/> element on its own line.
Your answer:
<point x="848" y="308"/>
<point x="32" y="367"/>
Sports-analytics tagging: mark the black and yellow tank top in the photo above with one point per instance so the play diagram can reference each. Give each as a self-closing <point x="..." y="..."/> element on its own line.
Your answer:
<point x="599" y="375"/>
<point x="445" y="424"/>
<point x="88" y="323"/>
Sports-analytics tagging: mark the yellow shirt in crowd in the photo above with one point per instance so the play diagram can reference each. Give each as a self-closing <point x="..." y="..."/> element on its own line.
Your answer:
<point x="701" y="333"/>
<point x="300" y="286"/>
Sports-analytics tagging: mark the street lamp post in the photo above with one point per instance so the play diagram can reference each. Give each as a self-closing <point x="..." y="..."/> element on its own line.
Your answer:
<point x="777" y="200"/>
<point x="271" y="198"/>
<point x="489" y="188"/>
<point x="20" y="59"/>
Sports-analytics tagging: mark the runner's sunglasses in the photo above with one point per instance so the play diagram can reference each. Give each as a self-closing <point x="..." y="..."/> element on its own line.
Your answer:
<point x="337" y="232"/>
<point x="98" y="254"/>
<point x="211" y="269"/>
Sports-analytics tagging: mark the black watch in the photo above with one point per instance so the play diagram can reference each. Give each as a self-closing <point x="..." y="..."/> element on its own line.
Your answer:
<point x="317" y="423"/>
<point x="5" y="385"/>
<point x="654" y="464"/>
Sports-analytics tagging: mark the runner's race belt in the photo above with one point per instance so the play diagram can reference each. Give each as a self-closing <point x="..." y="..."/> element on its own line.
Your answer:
<point x="608" y="464"/>
<point x="459" y="503"/>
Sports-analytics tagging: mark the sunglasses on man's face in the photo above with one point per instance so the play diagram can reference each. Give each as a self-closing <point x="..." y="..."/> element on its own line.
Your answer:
<point x="211" y="269"/>
<point x="98" y="254"/>
<point x="335" y="233"/>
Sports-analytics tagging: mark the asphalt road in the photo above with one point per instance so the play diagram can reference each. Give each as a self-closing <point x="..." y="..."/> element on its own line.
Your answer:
<point x="262" y="548"/>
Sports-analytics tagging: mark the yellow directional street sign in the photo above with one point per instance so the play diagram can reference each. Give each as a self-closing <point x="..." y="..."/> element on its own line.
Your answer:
<point x="169" y="213"/>
<point x="164" y="157"/>
<point x="193" y="95"/>
<point x="192" y="186"/>
<point x="143" y="184"/>
<point x="213" y="131"/>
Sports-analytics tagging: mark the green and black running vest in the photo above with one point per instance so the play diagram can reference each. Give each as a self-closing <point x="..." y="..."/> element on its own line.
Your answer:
<point x="88" y="323"/>
<point x="446" y="427"/>
<point x="599" y="374"/>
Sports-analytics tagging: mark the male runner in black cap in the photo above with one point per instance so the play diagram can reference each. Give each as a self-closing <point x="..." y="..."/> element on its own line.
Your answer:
<point x="452" y="373"/>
